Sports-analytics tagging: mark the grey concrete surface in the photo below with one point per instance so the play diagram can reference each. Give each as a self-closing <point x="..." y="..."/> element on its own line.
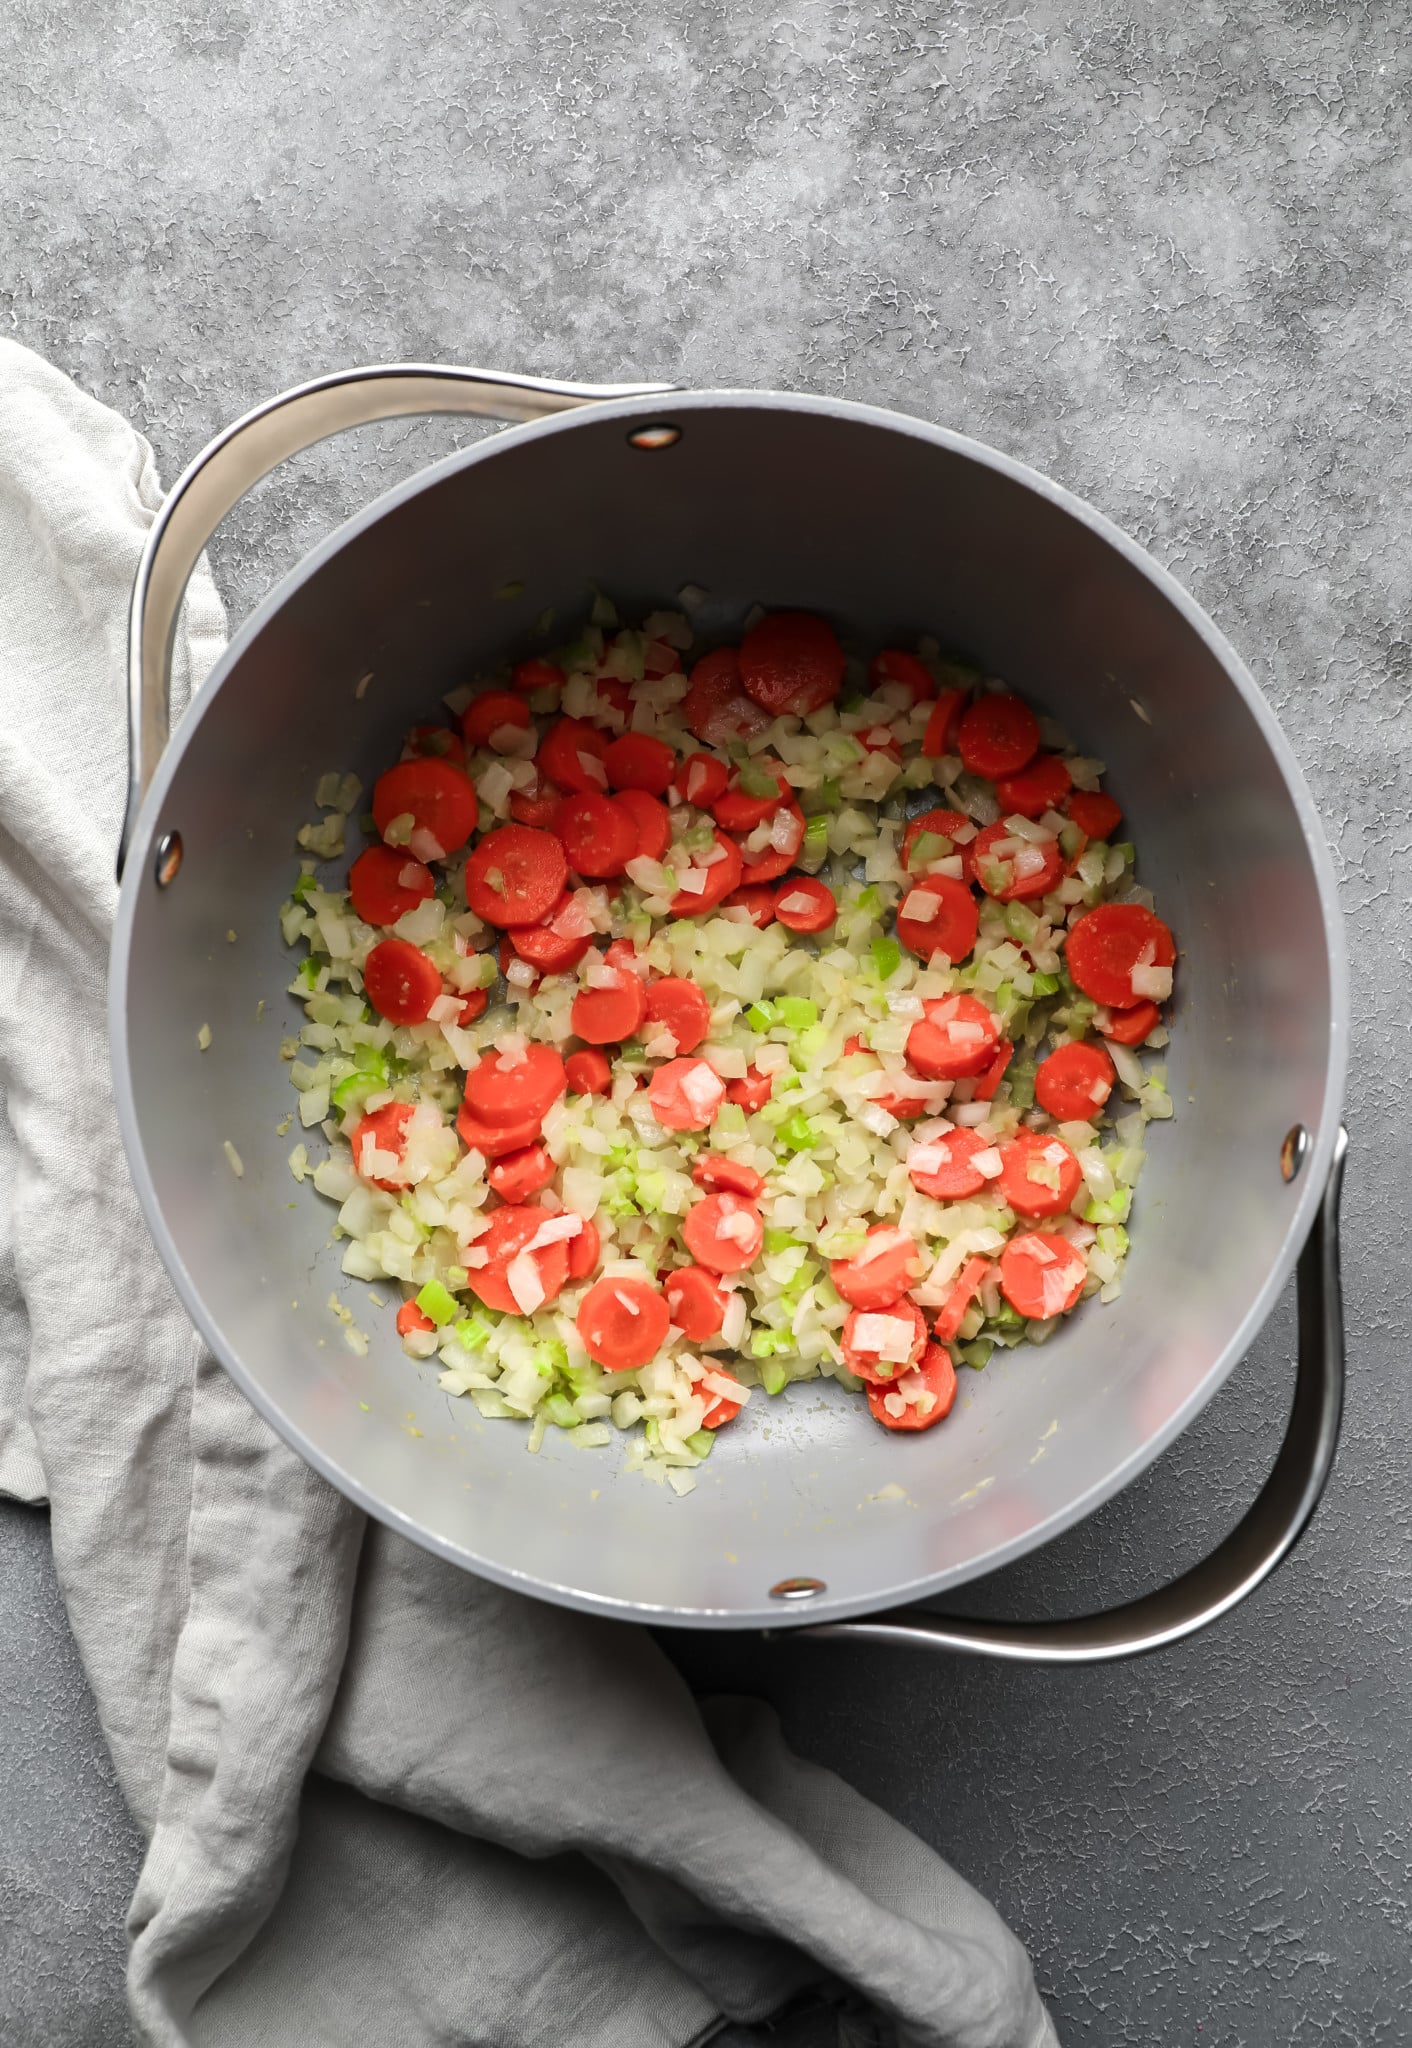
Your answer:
<point x="1161" y="254"/>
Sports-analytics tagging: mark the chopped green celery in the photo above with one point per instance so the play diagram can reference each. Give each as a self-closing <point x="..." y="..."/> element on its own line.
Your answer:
<point x="352" y="1088"/>
<point x="1021" y="1079"/>
<point x="702" y="1441"/>
<point x="373" y="1059"/>
<point x="1081" y="1011"/>
<point x="1005" y="997"/>
<point x="309" y="971"/>
<point x="369" y="824"/>
<point x="478" y="1329"/>
<point x="887" y="957"/>
<point x="868" y="899"/>
<point x="816" y="840"/>
<point x="796" y="1013"/>
<point x="977" y="1355"/>
<point x="651" y="1191"/>
<point x="1071" y="838"/>
<point x="730" y="1117"/>
<point x="1021" y="924"/>
<point x="756" y="780"/>
<point x="618" y="1153"/>
<point x="927" y="847"/>
<point x="771" y="1112"/>
<point x="561" y="1411"/>
<point x="1113" y="1210"/>
<point x="550" y="1356"/>
<point x="777" y="1240"/>
<point x="810" y="1043"/>
<point x="766" y="1343"/>
<point x="815" y="802"/>
<point x="457" y="1276"/>
<point x="435" y="1301"/>
<point x="1007" y="1318"/>
<point x="1113" y="1239"/>
<point x="1046" y="984"/>
<point x="774" y="1377"/>
<point x="852" y="701"/>
<point x="651" y="1431"/>
<point x="796" y="1133"/>
<point x="760" y="1016"/>
<point x="304" y="888"/>
<point x="1127" y="850"/>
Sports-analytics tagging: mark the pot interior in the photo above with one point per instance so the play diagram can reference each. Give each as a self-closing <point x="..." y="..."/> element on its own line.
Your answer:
<point x="893" y="530"/>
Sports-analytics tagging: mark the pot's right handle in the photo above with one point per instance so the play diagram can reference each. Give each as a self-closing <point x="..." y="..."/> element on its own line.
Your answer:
<point x="248" y="450"/>
<point x="1250" y="1553"/>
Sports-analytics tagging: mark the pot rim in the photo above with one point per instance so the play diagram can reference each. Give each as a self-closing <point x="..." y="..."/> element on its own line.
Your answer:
<point x="1313" y="1177"/>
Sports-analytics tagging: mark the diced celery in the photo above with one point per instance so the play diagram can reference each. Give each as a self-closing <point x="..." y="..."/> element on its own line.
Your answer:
<point x="1021" y="924"/>
<point x="1021" y="1079"/>
<point x="760" y="1016"/>
<point x="476" y="1331"/>
<point x="304" y="888"/>
<point x="435" y="1301"/>
<point x="796" y="1133"/>
<point x="815" y="802"/>
<point x="977" y="1355"/>
<point x="1127" y="850"/>
<point x="796" y="1013"/>
<point x="927" y="847"/>
<point x="777" y="1240"/>
<point x="1113" y="1239"/>
<point x="702" y="1441"/>
<point x="1007" y="1318"/>
<point x="309" y="971"/>
<point x="1046" y="984"/>
<point x="765" y="1343"/>
<point x="810" y="1043"/>
<point x="774" y="1377"/>
<point x="815" y="849"/>
<point x="887" y="958"/>
<point x="756" y="780"/>
<point x="561" y="1411"/>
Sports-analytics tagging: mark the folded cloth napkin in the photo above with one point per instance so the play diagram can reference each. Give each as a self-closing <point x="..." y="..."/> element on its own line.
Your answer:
<point x="385" y="1803"/>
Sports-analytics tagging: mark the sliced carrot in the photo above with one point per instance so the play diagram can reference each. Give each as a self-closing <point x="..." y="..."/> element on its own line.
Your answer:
<point x="606" y="1016"/>
<point x="1029" y="1150"/>
<point x="698" y="1306"/>
<point x="994" y="1074"/>
<point x="685" y="1095"/>
<point x="940" y="824"/>
<point x="654" y="825"/>
<point x="951" y="927"/>
<point x="623" y="1323"/>
<point x="955" y="1039"/>
<point x="424" y="741"/>
<point x="510" y="1230"/>
<point x="502" y="1090"/>
<point x="1042" y="862"/>
<point x="583" y="1250"/>
<point x="538" y="808"/>
<point x="721" y="1408"/>
<point x="951" y="1174"/>
<point x="723" y="1232"/>
<point x="721" y="877"/>
<point x="1131" y="1027"/>
<point x="534" y="674"/>
<point x="599" y="836"/>
<point x="572" y="754"/>
<point x="952" y="1313"/>
<point x="385" y="1130"/>
<point x="410" y="1318"/>
<point x="681" y="1007"/>
<point x="895" y="665"/>
<point x="438" y="798"/>
<point x="588" y="1072"/>
<point x="401" y="983"/>
<point x="758" y="899"/>
<point x="933" y="1375"/>
<point x="736" y="810"/>
<point x="940" y="735"/>
<point x="866" y="1360"/>
<point x="638" y="761"/>
<point x="491" y="712"/>
<point x="521" y="1174"/>
<point x="752" y="1091"/>
<point x="494" y="1141"/>
<point x="716" y="707"/>
<point x="623" y="953"/>
<point x="472" y="1006"/>
<point x="806" y="905"/>
<point x="701" y="779"/>
<point x="1074" y="1082"/>
<point x="1040" y="787"/>
<point x="715" y="1170"/>
<point x="791" y="664"/>
<point x="1041" y="1275"/>
<point x="997" y="736"/>
<point x="558" y="944"/>
<point x="516" y="875"/>
<point x="1106" y="944"/>
<point x="1094" y="812"/>
<point x="769" y="864"/>
<point x="878" y="1281"/>
<point x="384" y="883"/>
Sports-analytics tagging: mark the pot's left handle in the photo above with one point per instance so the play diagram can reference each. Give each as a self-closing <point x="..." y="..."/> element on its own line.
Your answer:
<point x="248" y="450"/>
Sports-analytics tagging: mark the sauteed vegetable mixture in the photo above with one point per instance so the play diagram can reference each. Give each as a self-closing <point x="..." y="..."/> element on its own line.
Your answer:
<point x="672" y="1045"/>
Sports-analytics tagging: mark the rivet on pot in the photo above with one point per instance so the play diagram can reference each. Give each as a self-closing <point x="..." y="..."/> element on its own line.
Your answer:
<point x="168" y="860"/>
<point x="662" y="435"/>
<point x="797" y="1589"/>
<point x="1294" y="1152"/>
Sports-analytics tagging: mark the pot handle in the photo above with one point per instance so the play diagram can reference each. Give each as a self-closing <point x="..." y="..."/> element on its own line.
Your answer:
<point x="1274" y="1524"/>
<point x="248" y="450"/>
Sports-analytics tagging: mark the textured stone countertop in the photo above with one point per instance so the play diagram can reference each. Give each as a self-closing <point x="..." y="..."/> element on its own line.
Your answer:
<point x="1162" y="255"/>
